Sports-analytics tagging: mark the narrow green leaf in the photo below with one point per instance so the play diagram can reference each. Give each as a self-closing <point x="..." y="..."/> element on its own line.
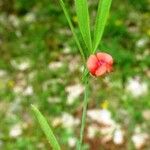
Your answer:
<point x="72" y="28"/>
<point x="46" y="128"/>
<point x="83" y="21"/>
<point x="102" y="15"/>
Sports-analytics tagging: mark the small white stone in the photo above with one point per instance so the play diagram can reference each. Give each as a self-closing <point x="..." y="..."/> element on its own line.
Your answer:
<point x="101" y="116"/>
<point x="15" y="131"/>
<point x="28" y="91"/>
<point x="21" y="65"/>
<point x="74" y="91"/>
<point x="56" y="121"/>
<point x="107" y="129"/>
<point x="55" y="65"/>
<point x="30" y="17"/>
<point x="136" y="88"/>
<point x="67" y="50"/>
<point x="72" y="142"/>
<point x="92" y="130"/>
<point x="68" y="121"/>
<point x="14" y="20"/>
<point x="18" y="89"/>
<point x="142" y="42"/>
<point x="139" y="139"/>
<point x="104" y="118"/>
<point x="118" y="137"/>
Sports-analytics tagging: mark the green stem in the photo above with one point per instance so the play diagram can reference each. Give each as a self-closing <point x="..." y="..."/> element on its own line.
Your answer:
<point x="85" y="103"/>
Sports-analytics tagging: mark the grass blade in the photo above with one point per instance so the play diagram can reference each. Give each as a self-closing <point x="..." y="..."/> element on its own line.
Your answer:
<point x="72" y="29"/>
<point x="83" y="21"/>
<point x="46" y="128"/>
<point x="102" y="14"/>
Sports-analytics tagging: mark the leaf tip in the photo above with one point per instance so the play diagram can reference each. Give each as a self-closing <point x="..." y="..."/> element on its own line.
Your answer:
<point x="33" y="107"/>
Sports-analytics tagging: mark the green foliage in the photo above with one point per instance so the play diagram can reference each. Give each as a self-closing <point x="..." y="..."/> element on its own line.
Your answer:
<point x="23" y="6"/>
<point x="46" y="128"/>
<point x="82" y="12"/>
<point x="72" y="28"/>
<point x="84" y="22"/>
<point x="102" y="15"/>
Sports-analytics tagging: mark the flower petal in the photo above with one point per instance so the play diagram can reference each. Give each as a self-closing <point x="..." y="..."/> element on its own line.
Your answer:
<point x="101" y="70"/>
<point x="109" y="68"/>
<point x="92" y="64"/>
<point x="105" y="57"/>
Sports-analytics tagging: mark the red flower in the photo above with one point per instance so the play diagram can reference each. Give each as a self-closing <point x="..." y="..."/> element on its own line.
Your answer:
<point x="100" y="64"/>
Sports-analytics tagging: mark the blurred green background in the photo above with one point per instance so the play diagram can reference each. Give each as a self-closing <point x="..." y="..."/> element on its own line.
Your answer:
<point x="40" y="64"/>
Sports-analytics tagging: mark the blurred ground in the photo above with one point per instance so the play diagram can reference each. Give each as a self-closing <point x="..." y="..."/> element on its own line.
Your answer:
<point x="40" y="65"/>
